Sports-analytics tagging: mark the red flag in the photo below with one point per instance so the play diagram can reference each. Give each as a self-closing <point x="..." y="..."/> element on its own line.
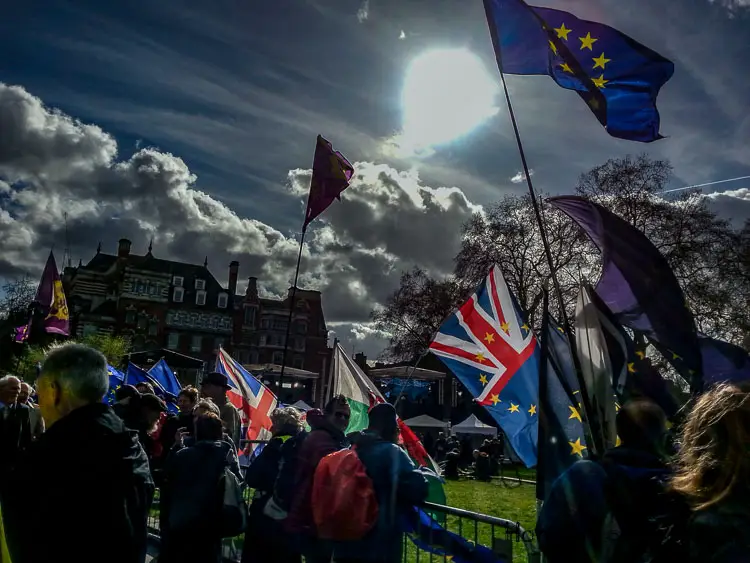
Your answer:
<point x="330" y="177"/>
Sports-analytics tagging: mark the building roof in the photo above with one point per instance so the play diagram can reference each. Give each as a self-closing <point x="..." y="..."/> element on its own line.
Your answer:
<point x="406" y="371"/>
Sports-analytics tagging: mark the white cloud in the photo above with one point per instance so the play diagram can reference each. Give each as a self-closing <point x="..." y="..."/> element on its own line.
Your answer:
<point x="733" y="205"/>
<point x="51" y="164"/>
<point x="520" y="176"/>
<point x="364" y="11"/>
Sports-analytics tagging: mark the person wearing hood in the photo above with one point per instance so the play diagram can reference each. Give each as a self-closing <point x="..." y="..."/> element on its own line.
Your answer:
<point x="93" y="501"/>
<point x="399" y="485"/>
<point x="326" y="436"/>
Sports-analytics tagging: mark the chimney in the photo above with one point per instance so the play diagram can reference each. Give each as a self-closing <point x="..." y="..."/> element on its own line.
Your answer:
<point x="123" y="248"/>
<point x="361" y="360"/>
<point x="252" y="288"/>
<point x="234" y="268"/>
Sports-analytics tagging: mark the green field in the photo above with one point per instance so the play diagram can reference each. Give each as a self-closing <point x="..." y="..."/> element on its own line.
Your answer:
<point x="502" y="499"/>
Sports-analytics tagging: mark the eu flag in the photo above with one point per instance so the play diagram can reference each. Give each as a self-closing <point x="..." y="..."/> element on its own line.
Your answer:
<point x="617" y="77"/>
<point x="136" y="375"/>
<point x="562" y="440"/>
<point x="491" y="349"/>
<point x="166" y="378"/>
<point x="116" y="379"/>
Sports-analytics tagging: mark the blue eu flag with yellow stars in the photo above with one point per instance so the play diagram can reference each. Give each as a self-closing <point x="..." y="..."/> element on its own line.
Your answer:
<point x="562" y="440"/>
<point x="617" y="77"/>
<point x="116" y="379"/>
<point x="491" y="349"/>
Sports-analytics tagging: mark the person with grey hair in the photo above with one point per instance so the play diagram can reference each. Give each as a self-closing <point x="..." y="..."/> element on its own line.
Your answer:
<point x="265" y="540"/>
<point x="15" y="424"/>
<point x="87" y="474"/>
<point x="36" y="421"/>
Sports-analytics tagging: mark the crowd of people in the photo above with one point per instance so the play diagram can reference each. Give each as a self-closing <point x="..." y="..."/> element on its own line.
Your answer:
<point x="80" y="478"/>
<point x="83" y="488"/>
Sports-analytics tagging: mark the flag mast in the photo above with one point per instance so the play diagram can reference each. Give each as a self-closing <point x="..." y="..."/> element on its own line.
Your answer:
<point x="291" y="308"/>
<point x="590" y="414"/>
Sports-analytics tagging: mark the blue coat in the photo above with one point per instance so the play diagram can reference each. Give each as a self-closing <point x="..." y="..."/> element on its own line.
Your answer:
<point x="398" y="484"/>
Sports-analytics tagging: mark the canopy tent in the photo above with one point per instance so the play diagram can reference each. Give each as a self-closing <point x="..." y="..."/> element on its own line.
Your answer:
<point x="473" y="425"/>
<point x="302" y="405"/>
<point x="426" y="421"/>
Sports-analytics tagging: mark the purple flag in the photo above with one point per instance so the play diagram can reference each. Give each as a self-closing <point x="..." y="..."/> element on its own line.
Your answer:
<point x="22" y="332"/>
<point x="51" y="298"/>
<point x="637" y="283"/>
<point x="330" y="176"/>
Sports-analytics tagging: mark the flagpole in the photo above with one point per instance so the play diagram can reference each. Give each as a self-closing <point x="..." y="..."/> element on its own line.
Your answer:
<point x="291" y="311"/>
<point x="542" y="412"/>
<point x="590" y="414"/>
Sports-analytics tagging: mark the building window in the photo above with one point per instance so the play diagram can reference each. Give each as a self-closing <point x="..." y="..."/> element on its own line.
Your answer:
<point x="200" y="284"/>
<point x="130" y="317"/>
<point x="178" y="294"/>
<point x="223" y="299"/>
<point x="250" y="316"/>
<point x="142" y="321"/>
<point x="254" y="357"/>
<point x="264" y="323"/>
<point x="173" y="340"/>
<point x="299" y="362"/>
<point x="262" y="340"/>
<point x="278" y="358"/>
<point x="301" y="327"/>
<point x="219" y="343"/>
<point x="196" y="343"/>
<point x="200" y="298"/>
<point x="279" y="325"/>
<point x="153" y="328"/>
<point x="299" y="344"/>
<point x="178" y="281"/>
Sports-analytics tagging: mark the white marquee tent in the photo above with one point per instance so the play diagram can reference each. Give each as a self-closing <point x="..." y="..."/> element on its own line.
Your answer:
<point x="426" y="421"/>
<point x="473" y="425"/>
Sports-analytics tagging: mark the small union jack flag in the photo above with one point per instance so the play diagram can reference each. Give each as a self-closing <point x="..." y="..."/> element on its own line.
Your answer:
<point x="491" y="349"/>
<point x="253" y="399"/>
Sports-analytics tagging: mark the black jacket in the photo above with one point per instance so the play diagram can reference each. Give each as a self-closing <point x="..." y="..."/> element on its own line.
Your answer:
<point x="85" y="485"/>
<point x="721" y="533"/>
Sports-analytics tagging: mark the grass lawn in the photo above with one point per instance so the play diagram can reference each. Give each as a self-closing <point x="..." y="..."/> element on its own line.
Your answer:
<point x="508" y="500"/>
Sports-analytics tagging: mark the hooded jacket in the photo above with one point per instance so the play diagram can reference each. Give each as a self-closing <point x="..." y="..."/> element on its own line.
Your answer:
<point x="322" y="440"/>
<point x="398" y="484"/>
<point x="85" y="486"/>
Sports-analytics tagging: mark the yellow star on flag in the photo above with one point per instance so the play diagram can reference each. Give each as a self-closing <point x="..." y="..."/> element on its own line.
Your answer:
<point x="587" y="42"/>
<point x="525" y="326"/>
<point x="552" y="46"/>
<point x="600" y="61"/>
<point x="641" y="354"/>
<point x="676" y="356"/>
<point x="489" y="338"/>
<point x="631" y="367"/>
<point x="574" y="413"/>
<point x="599" y="82"/>
<point x="532" y="410"/>
<point x="576" y="448"/>
<point x="513" y="408"/>
<point x="479" y="357"/>
<point x="483" y="379"/>
<point x="505" y="326"/>
<point x="618" y="442"/>
<point x="566" y="67"/>
<point x="495" y="399"/>
<point x="562" y="32"/>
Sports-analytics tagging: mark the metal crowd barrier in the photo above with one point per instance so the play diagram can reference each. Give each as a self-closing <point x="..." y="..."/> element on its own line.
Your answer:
<point x="497" y="534"/>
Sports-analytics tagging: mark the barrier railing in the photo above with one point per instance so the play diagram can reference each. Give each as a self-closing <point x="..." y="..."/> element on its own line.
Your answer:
<point x="497" y="534"/>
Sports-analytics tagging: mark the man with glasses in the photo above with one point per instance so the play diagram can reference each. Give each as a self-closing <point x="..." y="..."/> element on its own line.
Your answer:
<point x="327" y="436"/>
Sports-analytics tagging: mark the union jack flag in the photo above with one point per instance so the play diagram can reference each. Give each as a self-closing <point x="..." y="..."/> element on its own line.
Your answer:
<point x="488" y="345"/>
<point x="253" y="399"/>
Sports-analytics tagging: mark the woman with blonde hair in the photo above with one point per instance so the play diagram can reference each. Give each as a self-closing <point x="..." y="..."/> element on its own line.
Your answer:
<point x="713" y="475"/>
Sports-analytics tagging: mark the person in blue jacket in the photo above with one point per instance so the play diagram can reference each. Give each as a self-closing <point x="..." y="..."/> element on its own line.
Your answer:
<point x="399" y="484"/>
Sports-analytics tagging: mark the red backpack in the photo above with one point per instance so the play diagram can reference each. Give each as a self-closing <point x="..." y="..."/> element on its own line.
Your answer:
<point x="344" y="504"/>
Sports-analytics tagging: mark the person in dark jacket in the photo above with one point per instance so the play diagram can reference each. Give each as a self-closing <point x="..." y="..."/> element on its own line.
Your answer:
<point x="142" y="414"/>
<point x="713" y="475"/>
<point x="327" y="436"/>
<point x="182" y="422"/>
<point x="398" y="484"/>
<point x="15" y="424"/>
<point x="86" y="481"/>
<point x="625" y="487"/>
<point x="265" y="541"/>
<point x="191" y="480"/>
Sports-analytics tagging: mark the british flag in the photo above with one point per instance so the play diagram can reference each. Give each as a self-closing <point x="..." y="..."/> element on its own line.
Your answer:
<point x="253" y="399"/>
<point x="488" y="345"/>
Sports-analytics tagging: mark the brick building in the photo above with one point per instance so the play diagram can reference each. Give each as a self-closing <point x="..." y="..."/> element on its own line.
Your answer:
<point x="164" y="304"/>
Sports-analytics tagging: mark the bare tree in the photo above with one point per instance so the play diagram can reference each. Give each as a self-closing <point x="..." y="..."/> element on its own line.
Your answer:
<point x="18" y="295"/>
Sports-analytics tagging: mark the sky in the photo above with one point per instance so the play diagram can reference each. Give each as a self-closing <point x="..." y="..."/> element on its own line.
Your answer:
<point x="194" y="123"/>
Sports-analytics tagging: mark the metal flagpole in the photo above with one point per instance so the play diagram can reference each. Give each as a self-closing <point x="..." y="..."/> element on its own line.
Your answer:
<point x="590" y="414"/>
<point x="291" y="311"/>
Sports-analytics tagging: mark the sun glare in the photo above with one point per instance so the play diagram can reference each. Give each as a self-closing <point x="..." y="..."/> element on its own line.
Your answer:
<point x="447" y="93"/>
